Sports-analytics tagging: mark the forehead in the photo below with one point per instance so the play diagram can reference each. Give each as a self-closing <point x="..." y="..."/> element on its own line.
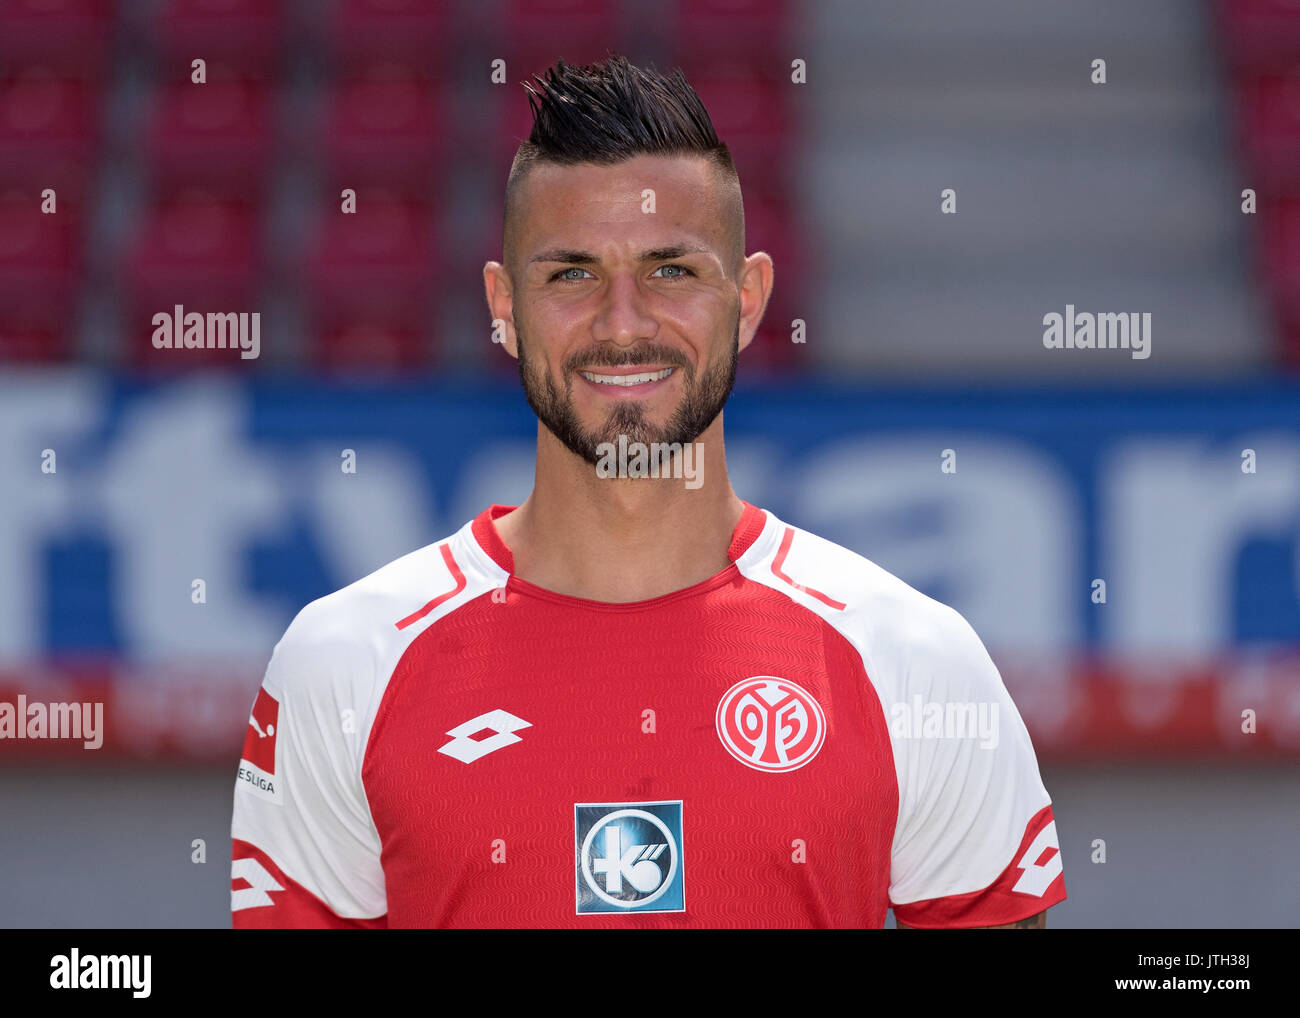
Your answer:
<point x="604" y="202"/>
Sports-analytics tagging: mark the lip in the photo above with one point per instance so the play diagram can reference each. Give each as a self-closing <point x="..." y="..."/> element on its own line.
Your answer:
<point x="628" y="391"/>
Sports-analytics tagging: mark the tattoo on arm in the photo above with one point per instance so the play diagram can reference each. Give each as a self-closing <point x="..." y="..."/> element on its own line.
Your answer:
<point x="1034" y="922"/>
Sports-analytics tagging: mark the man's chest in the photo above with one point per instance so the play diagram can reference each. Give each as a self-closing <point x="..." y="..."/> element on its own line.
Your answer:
<point x="628" y="777"/>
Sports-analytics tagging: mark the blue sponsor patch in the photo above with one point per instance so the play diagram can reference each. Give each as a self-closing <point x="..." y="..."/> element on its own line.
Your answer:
<point x="629" y="857"/>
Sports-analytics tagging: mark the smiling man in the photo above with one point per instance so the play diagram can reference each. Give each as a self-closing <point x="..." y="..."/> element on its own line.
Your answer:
<point x="631" y="701"/>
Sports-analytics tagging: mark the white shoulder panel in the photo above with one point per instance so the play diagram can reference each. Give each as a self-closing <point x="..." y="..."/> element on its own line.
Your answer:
<point x="968" y="780"/>
<point x="328" y="674"/>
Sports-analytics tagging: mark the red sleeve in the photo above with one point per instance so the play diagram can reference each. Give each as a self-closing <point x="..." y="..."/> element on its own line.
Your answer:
<point x="1033" y="880"/>
<point x="262" y="897"/>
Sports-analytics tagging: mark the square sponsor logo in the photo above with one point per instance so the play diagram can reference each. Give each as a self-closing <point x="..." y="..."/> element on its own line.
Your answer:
<point x="629" y="857"/>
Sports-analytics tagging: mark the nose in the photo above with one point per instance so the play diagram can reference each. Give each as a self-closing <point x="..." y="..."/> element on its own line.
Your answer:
<point x="624" y="319"/>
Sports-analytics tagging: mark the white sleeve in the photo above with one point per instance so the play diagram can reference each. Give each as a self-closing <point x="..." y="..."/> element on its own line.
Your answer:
<point x="975" y="843"/>
<point x="306" y="852"/>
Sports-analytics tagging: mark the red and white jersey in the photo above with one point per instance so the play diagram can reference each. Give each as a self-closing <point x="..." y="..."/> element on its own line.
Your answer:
<point x="802" y="740"/>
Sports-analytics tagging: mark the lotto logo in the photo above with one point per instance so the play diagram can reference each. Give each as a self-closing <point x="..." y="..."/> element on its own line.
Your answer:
<point x="1040" y="864"/>
<point x="484" y="734"/>
<point x="770" y="724"/>
<point x="629" y="857"/>
<point x="257" y="884"/>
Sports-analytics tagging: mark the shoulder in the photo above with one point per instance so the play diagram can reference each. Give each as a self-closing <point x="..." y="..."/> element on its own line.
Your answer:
<point x="904" y="636"/>
<point x="356" y="634"/>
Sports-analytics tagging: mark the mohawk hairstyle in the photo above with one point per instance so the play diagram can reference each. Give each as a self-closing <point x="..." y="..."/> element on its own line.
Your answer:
<point x="609" y="112"/>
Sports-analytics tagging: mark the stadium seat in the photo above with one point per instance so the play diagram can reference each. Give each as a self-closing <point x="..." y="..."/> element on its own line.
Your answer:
<point x="371" y="277"/>
<point x="217" y="136"/>
<point x="49" y="132"/>
<point x="1290" y="353"/>
<point x="241" y="36"/>
<point x="69" y="37"/>
<point x="535" y="33"/>
<point x="702" y="30"/>
<point x="386" y="130"/>
<point x="40" y="259"/>
<point x="1270" y="125"/>
<point x="359" y="346"/>
<point x="1259" y="35"/>
<point x="514" y="123"/>
<point x="31" y="331"/>
<point x="420" y="35"/>
<point x="201" y="254"/>
<point x="748" y="107"/>
<point x="1279" y="227"/>
<point x="769" y="227"/>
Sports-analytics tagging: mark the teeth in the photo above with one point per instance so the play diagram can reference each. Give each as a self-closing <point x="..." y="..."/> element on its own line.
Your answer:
<point x="649" y="376"/>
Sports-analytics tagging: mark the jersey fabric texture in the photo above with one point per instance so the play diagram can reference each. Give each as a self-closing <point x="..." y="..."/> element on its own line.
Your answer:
<point x="442" y="744"/>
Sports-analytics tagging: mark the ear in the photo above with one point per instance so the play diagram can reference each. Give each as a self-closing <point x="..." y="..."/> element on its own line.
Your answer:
<point x="501" y="306"/>
<point x="756" y="277"/>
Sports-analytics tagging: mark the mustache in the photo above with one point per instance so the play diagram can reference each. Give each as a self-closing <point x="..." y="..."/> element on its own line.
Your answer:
<point x="585" y="360"/>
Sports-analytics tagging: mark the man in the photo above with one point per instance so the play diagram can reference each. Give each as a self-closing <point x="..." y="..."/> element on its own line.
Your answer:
<point x="633" y="700"/>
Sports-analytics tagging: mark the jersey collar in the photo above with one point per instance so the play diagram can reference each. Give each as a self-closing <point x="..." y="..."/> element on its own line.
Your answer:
<point x="746" y="533"/>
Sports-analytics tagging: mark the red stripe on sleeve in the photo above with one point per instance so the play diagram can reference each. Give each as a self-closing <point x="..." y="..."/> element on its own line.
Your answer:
<point x="779" y="561"/>
<point x="1034" y="880"/>
<point x="460" y="585"/>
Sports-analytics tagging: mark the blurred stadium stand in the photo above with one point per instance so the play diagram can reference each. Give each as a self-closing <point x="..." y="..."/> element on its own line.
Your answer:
<point x="1260" y="40"/>
<point x="386" y="97"/>
<point x="1123" y="194"/>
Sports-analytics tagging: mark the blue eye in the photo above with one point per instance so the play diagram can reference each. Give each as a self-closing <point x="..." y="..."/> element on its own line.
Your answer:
<point x="559" y="276"/>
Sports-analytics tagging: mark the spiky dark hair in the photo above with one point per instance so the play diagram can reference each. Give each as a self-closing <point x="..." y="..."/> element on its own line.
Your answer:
<point x="609" y="112"/>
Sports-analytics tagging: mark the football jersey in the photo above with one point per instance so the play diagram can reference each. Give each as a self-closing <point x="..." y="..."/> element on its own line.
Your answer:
<point x="802" y="740"/>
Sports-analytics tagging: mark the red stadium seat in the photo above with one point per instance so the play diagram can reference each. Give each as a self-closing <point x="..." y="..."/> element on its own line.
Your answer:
<point x="1260" y="35"/>
<point x="384" y="246"/>
<point x="1290" y="353"/>
<point x="749" y="110"/>
<point x="370" y="346"/>
<point x="40" y="261"/>
<point x="48" y="132"/>
<point x="372" y="276"/>
<point x="37" y="251"/>
<point x="242" y="36"/>
<point x="535" y="33"/>
<point x="217" y="136"/>
<point x="70" y="37"/>
<point x="421" y="35"/>
<point x="768" y="227"/>
<point x="515" y="122"/>
<point x="203" y="255"/>
<point x="1279" y="227"/>
<point x="702" y="30"/>
<point x="386" y="130"/>
<point x="34" y="332"/>
<point x="1270" y="126"/>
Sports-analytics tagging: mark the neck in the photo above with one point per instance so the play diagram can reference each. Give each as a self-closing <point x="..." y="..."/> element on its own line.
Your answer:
<point x="621" y="539"/>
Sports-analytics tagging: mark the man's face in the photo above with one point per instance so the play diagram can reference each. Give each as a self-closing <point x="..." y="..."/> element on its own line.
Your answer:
<point x="627" y="321"/>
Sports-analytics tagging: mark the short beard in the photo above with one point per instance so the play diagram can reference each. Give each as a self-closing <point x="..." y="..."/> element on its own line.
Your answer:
<point x="699" y="408"/>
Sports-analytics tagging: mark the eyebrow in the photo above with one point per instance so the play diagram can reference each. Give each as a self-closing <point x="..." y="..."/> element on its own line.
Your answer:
<point x="569" y="256"/>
